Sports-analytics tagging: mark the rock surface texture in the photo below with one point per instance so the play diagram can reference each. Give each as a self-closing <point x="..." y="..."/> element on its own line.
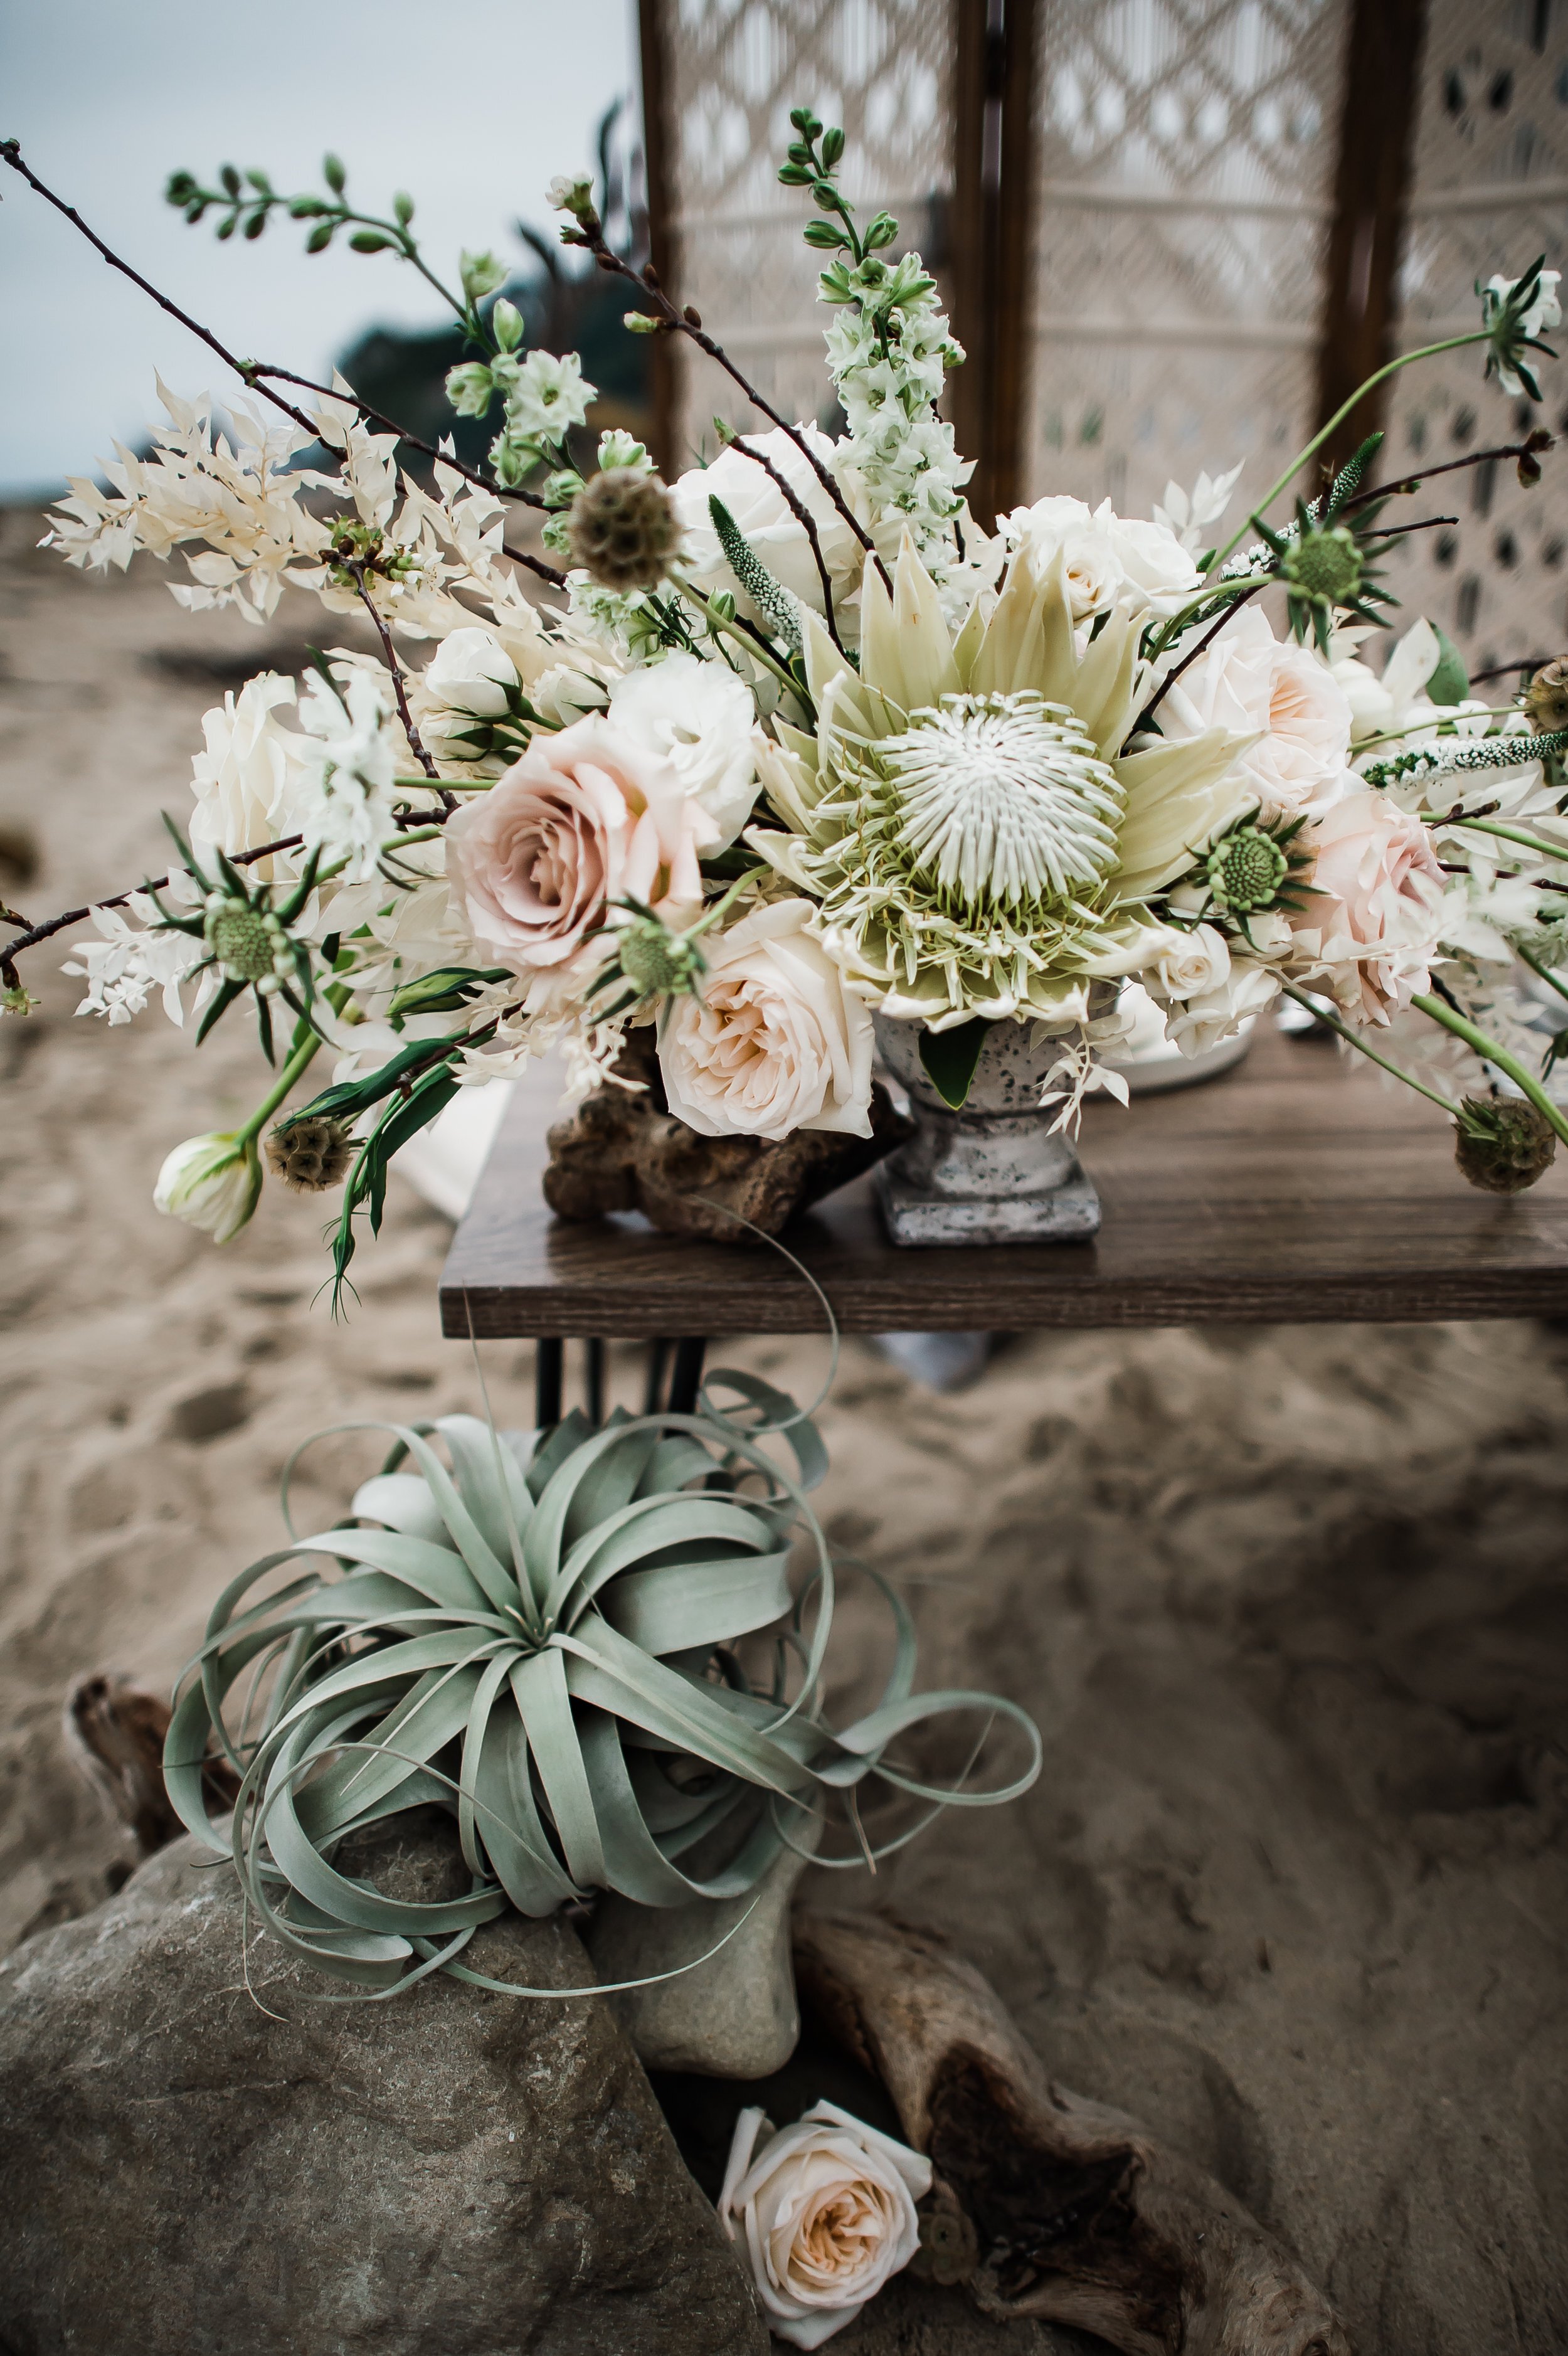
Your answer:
<point x="451" y="2174"/>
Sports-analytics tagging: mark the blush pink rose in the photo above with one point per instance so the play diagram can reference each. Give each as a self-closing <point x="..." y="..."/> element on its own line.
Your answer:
<point x="584" y="819"/>
<point x="1368" y="928"/>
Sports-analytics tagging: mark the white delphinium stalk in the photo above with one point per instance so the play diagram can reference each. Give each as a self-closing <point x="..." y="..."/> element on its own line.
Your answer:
<point x="241" y="496"/>
<point x="347" y="770"/>
<point x="889" y="348"/>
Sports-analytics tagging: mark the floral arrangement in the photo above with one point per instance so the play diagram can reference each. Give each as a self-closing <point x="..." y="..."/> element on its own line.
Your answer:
<point x="796" y="743"/>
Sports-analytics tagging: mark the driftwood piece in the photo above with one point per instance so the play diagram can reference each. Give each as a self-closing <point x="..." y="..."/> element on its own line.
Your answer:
<point x="1080" y="2216"/>
<point x="623" y="1150"/>
<point x="115" y="1731"/>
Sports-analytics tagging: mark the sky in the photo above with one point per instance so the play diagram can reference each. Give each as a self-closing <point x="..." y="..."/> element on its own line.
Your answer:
<point x="473" y="108"/>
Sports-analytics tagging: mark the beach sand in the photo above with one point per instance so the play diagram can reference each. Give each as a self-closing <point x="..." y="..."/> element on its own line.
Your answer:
<point x="1288" y="1603"/>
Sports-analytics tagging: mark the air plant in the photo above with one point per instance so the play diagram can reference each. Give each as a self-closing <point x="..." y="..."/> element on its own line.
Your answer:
<point x="539" y="1634"/>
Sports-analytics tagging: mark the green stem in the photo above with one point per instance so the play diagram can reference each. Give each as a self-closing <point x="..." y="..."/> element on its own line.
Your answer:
<point x="757" y="653"/>
<point x="1353" y="1039"/>
<point x="1544" y="972"/>
<point x="1492" y="826"/>
<point x="1494" y="1053"/>
<point x="1427" y="352"/>
<point x="298" y="1062"/>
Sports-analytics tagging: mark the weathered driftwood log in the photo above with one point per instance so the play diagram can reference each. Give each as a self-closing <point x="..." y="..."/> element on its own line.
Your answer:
<point x="623" y="1150"/>
<point x="1080" y="2216"/>
<point x="115" y="1731"/>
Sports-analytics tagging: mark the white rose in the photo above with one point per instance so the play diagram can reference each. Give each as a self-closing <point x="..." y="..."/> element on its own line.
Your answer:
<point x="700" y="717"/>
<point x="212" y="1183"/>
<point x="827" y="2210"/>
<point x="1157" y="573"/>
<point x="247" y="781"/>
<point x="1202" y="1023"/>
<point x="1201" y="963"/>
<point x="1064" y="526"/>
<point x="1251" y="684"/>
<point x="765" y="521"/>
<point x="775" y="1042"/>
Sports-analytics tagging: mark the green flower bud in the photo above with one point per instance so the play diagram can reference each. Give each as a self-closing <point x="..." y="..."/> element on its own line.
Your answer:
<point x="213" y="1183"/>
<point x="470" y="389"/>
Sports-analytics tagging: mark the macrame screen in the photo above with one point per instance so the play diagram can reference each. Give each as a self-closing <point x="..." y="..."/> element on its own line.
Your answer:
<point x="1184" y="176"/>
<point x="1489" y="192"/>
<point x="1183" y="179"/>
<point x="884" y="69"/>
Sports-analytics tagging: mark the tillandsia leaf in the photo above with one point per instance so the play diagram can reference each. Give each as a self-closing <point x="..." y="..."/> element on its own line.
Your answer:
<point x="539" y="1634"/>
<point x="779" y="609"/>
<point x="444" y="990"/>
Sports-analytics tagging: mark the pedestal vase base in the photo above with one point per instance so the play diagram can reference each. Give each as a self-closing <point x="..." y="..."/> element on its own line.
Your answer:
<point x="1067" y="1211"/>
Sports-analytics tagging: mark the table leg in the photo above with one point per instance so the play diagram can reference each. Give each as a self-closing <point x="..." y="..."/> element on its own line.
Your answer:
<point x="653" y="1389"/>
<point x="593" y="1379"/>
<point x="687" y="1376"/>
<point x="547" y="1355"/>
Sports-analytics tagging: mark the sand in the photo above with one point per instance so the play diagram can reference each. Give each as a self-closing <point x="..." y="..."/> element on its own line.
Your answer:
<point x="1288" y="1603"/>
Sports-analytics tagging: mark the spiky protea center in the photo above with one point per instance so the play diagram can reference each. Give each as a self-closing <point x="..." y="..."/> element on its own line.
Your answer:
<point x="1002" y="798"/>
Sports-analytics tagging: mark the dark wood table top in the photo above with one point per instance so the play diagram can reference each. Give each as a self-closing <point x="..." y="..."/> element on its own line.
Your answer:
<point x="1293" y="1188"/>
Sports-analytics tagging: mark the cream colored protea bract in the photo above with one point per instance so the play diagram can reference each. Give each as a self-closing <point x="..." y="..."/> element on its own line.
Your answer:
<point x="965" y="816"/>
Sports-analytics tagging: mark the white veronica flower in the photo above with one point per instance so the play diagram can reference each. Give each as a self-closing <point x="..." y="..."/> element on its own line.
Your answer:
<point x="700" y="716"/>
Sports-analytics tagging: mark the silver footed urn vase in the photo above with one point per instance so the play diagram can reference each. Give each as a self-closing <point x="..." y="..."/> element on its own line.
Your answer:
<point x="986" y="1169"/>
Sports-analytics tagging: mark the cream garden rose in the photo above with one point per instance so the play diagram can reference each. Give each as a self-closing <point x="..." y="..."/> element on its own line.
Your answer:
<point x="585" y="819"/>
<point x="1251" y="681"/>
<point x="776" y="1042"/>
<point x="1108" y="560"/>
<point x="1368" y="927"/>
<point x="825" y="2215"/>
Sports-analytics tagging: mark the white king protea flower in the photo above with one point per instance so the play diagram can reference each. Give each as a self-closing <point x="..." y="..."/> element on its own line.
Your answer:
<point x="966" y="818"/>
<point x="1002" y="798"/>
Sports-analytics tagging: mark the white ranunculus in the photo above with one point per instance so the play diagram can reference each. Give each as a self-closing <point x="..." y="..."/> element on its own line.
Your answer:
<point x="1200" y="1023"/>
<point x="213" y="1183"/>
<point x="700" y="717"/>
<point x="764" y="517"/>
<point x="1251" y="681"/>
<point x="471" y="671"/>
<point x="775" y="1042"/>
<point x="826" y="2214"/>
<point x="247" y="779"/>
<point x="1201" y="963"/>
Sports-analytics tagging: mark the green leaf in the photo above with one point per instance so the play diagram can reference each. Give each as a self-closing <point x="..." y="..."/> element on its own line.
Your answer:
<point x="950" y="1057"/>
<point x="369" y="240"/>
<point x="1450" y="682"/>
<point x="333" y="173"/>
<point x="320" y="237"/>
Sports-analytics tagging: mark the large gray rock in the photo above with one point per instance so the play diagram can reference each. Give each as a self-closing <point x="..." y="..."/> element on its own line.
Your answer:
<point x="451" y="2173"/>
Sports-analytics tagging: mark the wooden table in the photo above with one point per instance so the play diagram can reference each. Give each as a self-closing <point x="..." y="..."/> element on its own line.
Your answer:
<point x="1295" y="1188"/>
